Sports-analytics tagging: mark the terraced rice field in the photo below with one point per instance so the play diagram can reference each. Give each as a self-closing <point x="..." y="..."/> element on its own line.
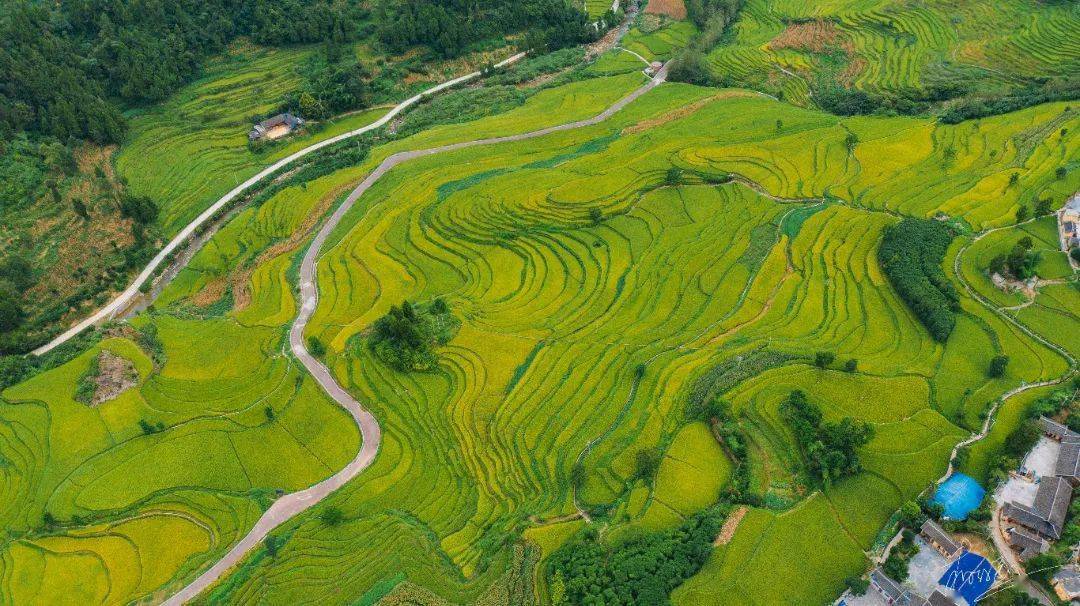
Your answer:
<point x="660" y="41"/>
<point x="889" y="45"/>
<point x="581" y="342"/>
<point x="559" y="314"/>
<point x="189" y="151"/>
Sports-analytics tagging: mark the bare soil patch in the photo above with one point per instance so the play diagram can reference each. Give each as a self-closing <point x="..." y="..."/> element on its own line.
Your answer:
<point x="211" y="293"/>
<point x="813" y="36"/>
<point x="672" y="8"/>
<point x="731" y="524"/>
<point x="116" y="375"/>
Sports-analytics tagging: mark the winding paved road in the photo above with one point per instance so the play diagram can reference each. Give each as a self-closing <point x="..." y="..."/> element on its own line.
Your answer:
<point x="291" y="505"/>
<point x="121" y="301"/>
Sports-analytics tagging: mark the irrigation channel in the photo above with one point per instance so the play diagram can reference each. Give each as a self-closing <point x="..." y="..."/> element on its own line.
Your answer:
<point x="291" y="505"/>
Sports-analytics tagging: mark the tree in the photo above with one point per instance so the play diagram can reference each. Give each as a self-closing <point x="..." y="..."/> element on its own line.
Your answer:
<point x="269" y="412"/>
<point x="272" y="543"/>
<point x="646" y="463"/>
<point x="1043" y="566"/>
<point x="405" y="338"/>
<point x="851" y="141"/>
<point x="830" y="449"/>
<point x="997" y="366"/>
<point x="332" y="517"/>
<point x="911" y="515"/>
<point x="1022" y="214"/>
<point x="779" y="125"/>
<point x="80" y="208"/>
<point x="11" y="311"/>
<point x="689" y="66"/>
<point x="577" y="475"/>
<point x="851" y="365"/>
<point x="1060" y="171"/>
<point x="140" y="209"/>
<point x="673" y="177"/>
<point x="1014" y="179"/>
<point x="911" y="255"/>
<point x="857" y="585"/>
<point x="823" y="359"/>
<point x="1075" y="254"/>
<point x="1044" y="207"/>
<point x="17" y="271"/>
<point x="1022" y="260"/>
<point x="316" y="347"/>
<point x="596" y="216"/>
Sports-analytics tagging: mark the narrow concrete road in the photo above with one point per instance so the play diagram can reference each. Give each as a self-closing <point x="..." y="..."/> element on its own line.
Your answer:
<point x="121" y="301"/>
<point x="293" y="504"/>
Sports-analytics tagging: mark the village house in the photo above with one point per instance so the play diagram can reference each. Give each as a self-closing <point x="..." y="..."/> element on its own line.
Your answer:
<point x="940" y="599"/>
<point x="940" y="540"/>
<point x="1069" y="224"/>
<point x="894" y="593"/>
<point x="1046" y="516"/>
<point x="275" y="127"/>
<point x="1027" y="543"/>
<point x="1068" y="461"/>
<point x="1066" y="582"/>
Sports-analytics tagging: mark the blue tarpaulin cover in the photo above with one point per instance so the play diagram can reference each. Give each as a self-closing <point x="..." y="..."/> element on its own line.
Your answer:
<point x="970" y="576"/>
<point x="959" y="495"/>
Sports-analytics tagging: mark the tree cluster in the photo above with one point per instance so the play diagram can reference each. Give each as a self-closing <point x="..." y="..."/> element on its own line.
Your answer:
<point x="896" y="565"/>
<point x="334" y="81"/>
<point x="911" y="254"/>
<point x="1042" y="90"/>
<point x="1019" y="263"/>
<point x="406" y="337"/>
<point x="829" y="448"/>
<point x="642" y="571"/>
<point x="449" y="27"/>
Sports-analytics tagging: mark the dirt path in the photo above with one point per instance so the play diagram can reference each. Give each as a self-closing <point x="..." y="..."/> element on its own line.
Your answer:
<point x="124" y="299"/>
<point x="293" y="504"/>
<point x="727" y="531"/>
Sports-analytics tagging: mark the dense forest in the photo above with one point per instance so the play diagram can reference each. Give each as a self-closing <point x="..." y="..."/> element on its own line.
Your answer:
<point x="67" y="69"/>
<point x="449" y="26"/>
<point x="911" y="254"/>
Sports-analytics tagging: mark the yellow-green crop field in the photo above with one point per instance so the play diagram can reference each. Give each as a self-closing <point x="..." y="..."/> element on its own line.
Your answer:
<point x="581" y="341"/>
<point x="893" y="45"/>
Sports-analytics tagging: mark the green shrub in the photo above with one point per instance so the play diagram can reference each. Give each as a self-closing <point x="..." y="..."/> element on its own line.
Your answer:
<point x="647" y="463"/>
<point x="86" y="385"/>
<point x="823" y="359"/>
<point x="997" y="366"/>
<point x="857" y="585"/>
